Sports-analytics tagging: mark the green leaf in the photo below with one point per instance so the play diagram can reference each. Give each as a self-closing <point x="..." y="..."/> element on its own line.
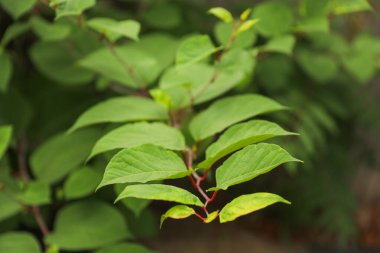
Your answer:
<point x="360" y="65"/>
<point x="313" y="24"/>
<point x="62" y="153"/>
<point x="245" y="14"/>
<point x="161" y="98"/>
<point x="114" y="30"/>
<point x="81" y="183"/>
<point x="222" y="14"/>
<point x="17" y="8"/>
<point x="49" y="31"/>
<point x="239" y="136"/>
<point x="57" y="62"/>
<point x="282" y="44"/>
<point x="194" y="49"/>
<point x="311" y="8"/>
<point x="246" y="25"/>
<point x="125" y="248"/>
<point x="348" y="6"/>
<point x="19" y="242"/>
<point x="228" y="111"/>
<point x="132" y="135"/>
<point x="132" y="67"/>
<point x="36" y="193"/>
<point x="249" y="203"/>
<point x="177" y="212"/>
<point x="275" y="18"/>
<point x="211" y="217"/>
<point x="160" y="192"/>
<point x="9" y="206"/>
<point x="121" y="109"/>
<point x="137" y="206"/>
<point x="5" y="70"/>
<point x="5" y="138"/>
<point x="13" y="31"/>
<point x="143" y="164"/>
<point x="82" y="226"/>
<point x="224" y="31"/>
<point x="250" y="162"/>
<point x="163" y="16"/>
<point x="71" y="7"/>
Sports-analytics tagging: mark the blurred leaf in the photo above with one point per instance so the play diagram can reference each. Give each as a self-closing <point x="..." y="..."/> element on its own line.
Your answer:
<point x="62" y="153"/>
<point x="121" y="109"/>
<point x="348" y="6"/>
<point x="9" y="206"/>
<point x="125" y="248"/>
<point x="313" y="24"/>
<point x="71" y="7"/>
<point x="17" y="8"/>
<point x="5" y="139"/>
<point x="274" y="18"/>
<point x="239" y="136"/>
<point x="249" y="203"/>
<point x="314" y="8"/>
<point x="114" y="30"/>
<point x="282" y="44"/>
<point x="19" y="242"/>
<point x="13" y="31"/>
<point x="79" y="226"/>
<point x="5" y="70"/>
<point x="81" y="183"/>
<point x="223" y="33"/>
<point x="137" y="206"/>
<point x="36" y="193"/>
<point x="245" y="14"/>
<point x="177" y="212"/>
<point x="194" y="49"/>
<point x="222" y="14"/>
<point x="49" y="31"/>
<point x="246" y="26"/>
<point x="132" y="135"/>
<point x="360" y="65"/>
<point x="163" y="16"/>
<point x="143" y="164"/>
<point x="160" y="192"/>
<point x="250" y="162"/>
<point x="228" y="111"/>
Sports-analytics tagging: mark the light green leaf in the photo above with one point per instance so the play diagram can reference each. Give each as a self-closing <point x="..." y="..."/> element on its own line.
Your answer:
<point x="163" y="16"/>
<point x="121" y="109"/>
<point x="245" y="14"/>
<point x="250" y="162"/>
<point x="275" y="18"/>
<point x="114" y="30"/>
<point x="249" y="203"/>
<point x="313" y="24"/>
<point x="5" y="70"/>
<point x="79" y="226"/>
<point x="348" y="6"/>
<point x="194" y="49"/>
<point x="160" y="192"/>
<point x="283" y="44"/>
<point x="222" y="14"/>
<point x="224" y="31"/>
<point x="57" y="62"/>
<point x="211" y="217"/>
<point x="228" y="111"/>
<point x="246" y="25"/>
<point x="239" y="136"/>
<point x="62" y="153"/>
<point x="135" y="205"/>
<point x="36" y="193"/>
<point x="9" y="206"/>
<point x="13" y="31"/>
<point x="71" y="7"/>
<point x="161" y="98"/>
<point x="17" y="8"/>
<point x="143" y="164"/>
<point x="125" y="248"/>
<point x="360" y="65"/>
<point x="5" y="138"/>
<point x="81" y="183"/>
<point x="132" y="135"/>
<point x="49" y="31"/>
<point x="19" y="242"/>
<point x="177" y="212"/>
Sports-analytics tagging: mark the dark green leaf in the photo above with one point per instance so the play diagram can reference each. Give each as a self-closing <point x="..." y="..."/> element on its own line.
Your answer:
<point x="9" y="206"/>
<point x="19" y="242"/>
<point x="5" y="70"/>
<point x="17" y="8"/>
<point x="81" y="183"/>
<point x="5" y="138"/>
<point x="36" y="193"/>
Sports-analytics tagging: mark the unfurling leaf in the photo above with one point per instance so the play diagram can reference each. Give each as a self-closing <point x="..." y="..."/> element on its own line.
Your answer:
<point x="245" y="14"/>
<point x="246" y="25"/>
<point x="177" y="212"/>
<point x="222" y="14"/>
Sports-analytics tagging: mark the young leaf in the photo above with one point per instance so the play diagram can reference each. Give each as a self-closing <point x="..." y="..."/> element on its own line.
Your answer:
<point x="71" y="7"/>
<point x="36" y="193"/>
<point x="125" y="247"/>
<point x="89" y="231"/>
<point x="239" y="136"/>
<point x="224" y="31"/>
<point x="49" y="31"/>
<point x="81" y="183"/>
<point x="17" y="8"/>
<point x="245" y="14"/>
<point x="250" y="162"/>
<point x="194" y="49"/>
<point x="246" y="25"/>
<point x="5" y="70"/>
<point x="161" y="98"/>
<point x="5" y="138"/>
<point x="121" y="109"/>
<point x="132" y="135"/>
<point x="114" y="30"/>
<point x="143" y="164"/>
<point x="19" y="242"/>
<point x="211" y="217"/>
<point x="228" y="111"/>
<point x="249" y="203"/>
<point x="177" y="212"/>
<point x="160" y="192"/>
<point x="9" y="206"/>
<point x="348" y="6"/>
<point x="222" y="14"/>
